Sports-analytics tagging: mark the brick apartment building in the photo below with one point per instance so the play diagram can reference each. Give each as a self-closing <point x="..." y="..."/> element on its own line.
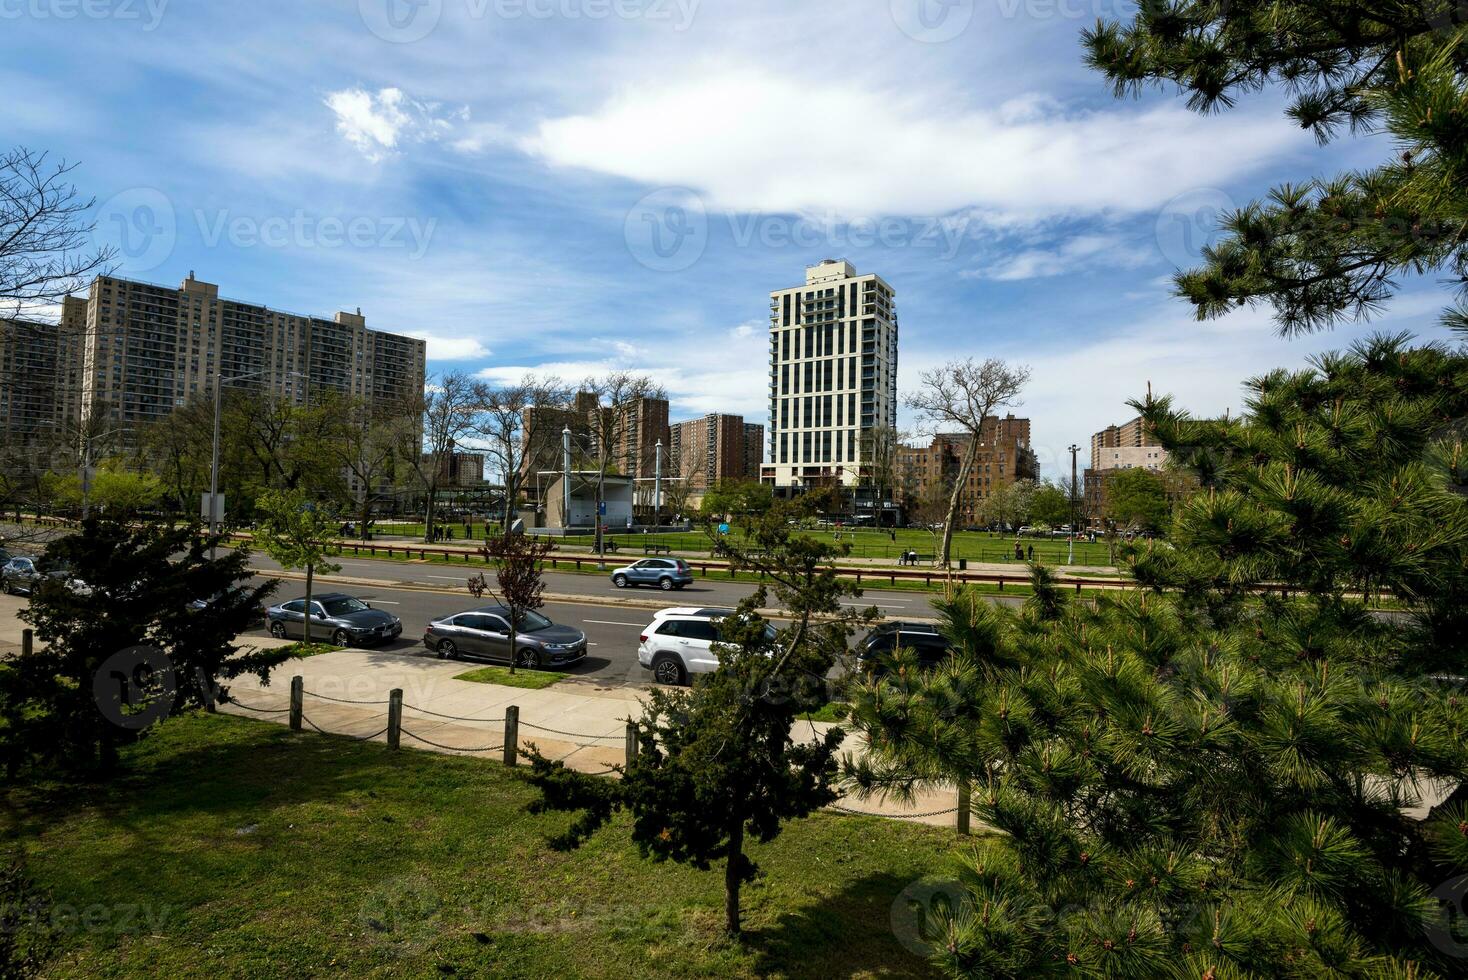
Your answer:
<point x="716" y="447"/>
<point x="928" y="472"/>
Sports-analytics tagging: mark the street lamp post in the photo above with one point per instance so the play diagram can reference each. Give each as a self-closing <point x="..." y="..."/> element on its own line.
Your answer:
<point x="657" y="488"/>
<point x="1074" y="513"/>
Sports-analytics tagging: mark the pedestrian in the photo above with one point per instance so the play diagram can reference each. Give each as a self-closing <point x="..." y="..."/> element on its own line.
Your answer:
<point x="450" y="532"/>
<point x="1032" y="552"/>
<point x="893" y="535"/>
<point x="1019" y="552"/>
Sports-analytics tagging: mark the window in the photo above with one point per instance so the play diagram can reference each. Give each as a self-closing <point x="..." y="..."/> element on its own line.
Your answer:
<point x="344" y="606"/>
<point x="698" y="630"/>
<point x="494" y="624"/>
<point x="295" y="605"/>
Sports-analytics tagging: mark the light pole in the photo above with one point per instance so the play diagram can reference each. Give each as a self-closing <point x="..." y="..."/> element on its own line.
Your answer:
<point x="657" y="488"/>
<point x="214" y="509"/>
<point x="1074" y="518"/>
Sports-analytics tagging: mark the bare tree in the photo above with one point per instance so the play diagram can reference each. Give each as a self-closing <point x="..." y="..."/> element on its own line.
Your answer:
<point x="965" y="395"/>
<point x="364" y="446"/>
<point x="617" y="397"/>
<point x="46" y="251"/>
<point x="686" y="470"/>
<point x="516" y="422"/>
<point x="443" y="416"/>
<point x="517" y="561"/>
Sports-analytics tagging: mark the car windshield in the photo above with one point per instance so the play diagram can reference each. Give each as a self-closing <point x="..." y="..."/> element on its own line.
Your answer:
<point x="532" y="622"/>
<point x="344" y="606"/>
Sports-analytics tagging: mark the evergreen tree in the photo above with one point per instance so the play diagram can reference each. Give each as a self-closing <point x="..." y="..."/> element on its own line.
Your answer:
<point x="1332" y="249"/>
<point x="1225" y="772"/>
<point x="718" y="766"/>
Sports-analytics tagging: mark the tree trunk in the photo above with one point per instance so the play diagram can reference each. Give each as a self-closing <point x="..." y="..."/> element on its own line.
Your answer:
<point x="428" y="516"/>
<point x="366" y="514"/>
<point x="513" y="634"/>
<point x="306" y="620"/>
<point x="601" y="496"/>
<point x="512" y="487"/>
<point x="957" y="495"/>
<point x="733" y="878"/>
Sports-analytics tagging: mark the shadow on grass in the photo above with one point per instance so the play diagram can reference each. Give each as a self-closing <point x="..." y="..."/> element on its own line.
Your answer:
<point x="847" y="933"/>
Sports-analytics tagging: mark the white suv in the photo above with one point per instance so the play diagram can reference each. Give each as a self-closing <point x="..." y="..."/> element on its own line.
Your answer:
<point x="680" y="642"/>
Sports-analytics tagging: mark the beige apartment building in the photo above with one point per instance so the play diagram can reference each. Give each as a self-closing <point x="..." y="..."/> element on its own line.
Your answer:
<point x="1125" y="446"/>
<point x="833" y="377"/>
<point x="148" y="349"/>
<point x="716" y="447"/>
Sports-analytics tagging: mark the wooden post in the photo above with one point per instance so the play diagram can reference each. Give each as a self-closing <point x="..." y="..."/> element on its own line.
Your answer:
<point x="512" y="735"/>
<point x="962" y="817"/>
<point x="631" y="742"/>
<point x="27" y="642"/>
<point x="298" y="698"/>
<point x="394" y="717"/>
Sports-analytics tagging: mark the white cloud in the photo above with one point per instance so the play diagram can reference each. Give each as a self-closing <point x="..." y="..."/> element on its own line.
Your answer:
<point x="378" y="124"/>
<point x="1076" y="254"/>
<point x="753" y="141"/>
<point x="451" y="348"/>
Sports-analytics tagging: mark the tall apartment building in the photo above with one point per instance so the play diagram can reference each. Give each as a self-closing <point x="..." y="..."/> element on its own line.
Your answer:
<point x="714" y="448"/>
<point x="40" y="374"/>
<point x="1131" y="444"/>
<point x="927" y="473"/>
<point x="149" y="349"/>
<point x="833" y="376"/>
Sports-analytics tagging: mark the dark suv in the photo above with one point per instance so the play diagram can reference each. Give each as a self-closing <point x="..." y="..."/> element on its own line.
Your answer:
<point x="922" y="639"/>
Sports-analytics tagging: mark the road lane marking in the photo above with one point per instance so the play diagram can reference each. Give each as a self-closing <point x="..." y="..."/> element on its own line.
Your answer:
<point x="609" y="622"/>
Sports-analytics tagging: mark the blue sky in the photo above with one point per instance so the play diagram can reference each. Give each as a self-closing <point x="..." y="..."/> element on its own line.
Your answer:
<point x="578" y="185"/>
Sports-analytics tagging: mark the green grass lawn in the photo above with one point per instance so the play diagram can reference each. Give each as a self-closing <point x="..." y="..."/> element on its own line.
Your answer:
<point x="234" y="848"/>
<point x="533" y="680"/>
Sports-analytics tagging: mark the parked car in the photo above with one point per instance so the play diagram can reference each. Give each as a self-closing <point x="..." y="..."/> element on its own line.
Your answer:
<point x="922" y="639"/>
<point x="344" y="620"/>
<point x="257" y="616"/>
<point x="666" y="573"/>
<point x="484" y="634"/>
<point x="20" y="576"/>
<point x="1025" y="529"/>
<point x="679" y="642"/>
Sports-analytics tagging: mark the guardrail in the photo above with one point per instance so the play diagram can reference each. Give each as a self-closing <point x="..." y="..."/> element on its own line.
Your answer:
<point x="427" y="552"/>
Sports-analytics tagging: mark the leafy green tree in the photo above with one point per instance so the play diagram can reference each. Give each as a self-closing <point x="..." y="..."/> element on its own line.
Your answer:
<point x="1224" y="773"/>
<point x="294" y="531"/>
<point x="718" y="766"/>
<point x="1136" y="500"/>
<point x="1050" y="505"/>
<point x="113" y="490"/>
<point x="737" y="499"/>
<point x="1333" y="249"/>
<point x="119" y="645"/>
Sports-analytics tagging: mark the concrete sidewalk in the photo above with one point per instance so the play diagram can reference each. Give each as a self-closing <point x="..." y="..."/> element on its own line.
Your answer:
<point x="346" y="693"/>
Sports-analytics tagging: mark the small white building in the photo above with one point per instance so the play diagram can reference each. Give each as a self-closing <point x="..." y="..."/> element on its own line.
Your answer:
<point x="618" y="491"/>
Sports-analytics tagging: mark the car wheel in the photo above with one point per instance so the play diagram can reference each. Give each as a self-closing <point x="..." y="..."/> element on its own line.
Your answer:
<point x="668" y="669"/>
<point x="528" y="659"/>
<point x="341" y="639"/>
<point x="620" y="581"/>
<point x="447" y="650"/>
<point x="666" y="584"/>
<point x="277" y="630"/>
<point x="679" y="586"/>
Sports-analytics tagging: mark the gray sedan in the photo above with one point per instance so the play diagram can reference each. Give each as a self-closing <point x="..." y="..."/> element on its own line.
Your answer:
<point x="345" y="620"/>
<point x="666" y="573"/>
<point x="484" y="634"/>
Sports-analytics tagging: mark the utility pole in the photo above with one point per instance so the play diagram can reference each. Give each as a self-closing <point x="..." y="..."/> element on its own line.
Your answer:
<point x="1075" y="525"/>
<point x="566" y="479"/>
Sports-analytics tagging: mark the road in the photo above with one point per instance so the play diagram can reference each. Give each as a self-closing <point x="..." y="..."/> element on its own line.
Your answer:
<point x="611" y="631"/>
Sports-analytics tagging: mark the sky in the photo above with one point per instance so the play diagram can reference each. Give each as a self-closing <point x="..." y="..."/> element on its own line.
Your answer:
<point x="576" y="186"/>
